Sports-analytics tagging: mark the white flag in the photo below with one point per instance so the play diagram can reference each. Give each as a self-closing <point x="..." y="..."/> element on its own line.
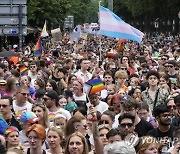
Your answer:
<point x="44" y="32"/>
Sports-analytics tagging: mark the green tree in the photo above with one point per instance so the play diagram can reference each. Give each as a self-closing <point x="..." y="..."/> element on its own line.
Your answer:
<point x="51" y="10"/>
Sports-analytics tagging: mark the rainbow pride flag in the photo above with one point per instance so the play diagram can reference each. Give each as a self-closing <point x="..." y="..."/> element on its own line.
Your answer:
<point x="93" y="86"/>
<point x="120" y="44"/>
<point x="23" y="70"/>
<point x="38" y="47"/>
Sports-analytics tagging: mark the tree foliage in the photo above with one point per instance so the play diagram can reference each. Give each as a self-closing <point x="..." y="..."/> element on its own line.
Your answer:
<point x="150" y="8"/>
<point x="55" y="11"/>
<point x="51" y="10"/>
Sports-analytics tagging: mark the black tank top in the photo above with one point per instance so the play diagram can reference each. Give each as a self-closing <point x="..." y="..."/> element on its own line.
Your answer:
<point x="28" y="151"/>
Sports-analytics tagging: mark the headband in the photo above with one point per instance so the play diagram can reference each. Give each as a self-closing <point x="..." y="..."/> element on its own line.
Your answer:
<point x="10" y="130"/>
<point x="44" y="73"/>
<point x="60" y="116"/>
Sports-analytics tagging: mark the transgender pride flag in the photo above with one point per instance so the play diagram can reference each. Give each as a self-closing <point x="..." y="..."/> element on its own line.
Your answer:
<point x="113" y="26"/>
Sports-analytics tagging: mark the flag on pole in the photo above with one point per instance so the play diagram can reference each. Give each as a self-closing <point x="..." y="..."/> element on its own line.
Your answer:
<point x="93" y="86"/>
<point x="44" y="32"/>
<point x="113" y="26"/>
<point x="120" y="44"/>
<point x="23" y="70"/>
<point x="38" y="47"/>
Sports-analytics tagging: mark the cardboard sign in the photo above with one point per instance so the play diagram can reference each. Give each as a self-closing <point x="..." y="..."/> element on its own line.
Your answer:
<point x="56" y="35"/>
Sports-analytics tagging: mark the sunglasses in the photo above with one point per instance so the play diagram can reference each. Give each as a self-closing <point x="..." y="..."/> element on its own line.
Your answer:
<point x="171" y="106"/>
<point x="3" y="105"/>
<point x="123" y="68"/>
<point x="32" y="66"/>
<point x="2" y="85"/>
<point x="103" y="122"/>
<point x="169" y="66"/>
<point x="123" y="125"/>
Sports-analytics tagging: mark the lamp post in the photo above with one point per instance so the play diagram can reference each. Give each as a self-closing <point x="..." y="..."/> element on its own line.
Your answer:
<point x="179" y="21"/>
<point x="110" y="5"/>
<point x="100" y="43"/>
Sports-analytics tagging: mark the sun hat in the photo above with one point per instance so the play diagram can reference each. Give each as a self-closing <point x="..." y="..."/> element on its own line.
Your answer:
<point x="3" y="82"/>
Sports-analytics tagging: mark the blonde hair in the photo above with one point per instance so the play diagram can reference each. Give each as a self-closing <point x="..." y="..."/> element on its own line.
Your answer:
<point x="145" y="142"/>
<point x="57" y="130"/>
<point x="121" y="74"/>
<point x="135" y="79"/>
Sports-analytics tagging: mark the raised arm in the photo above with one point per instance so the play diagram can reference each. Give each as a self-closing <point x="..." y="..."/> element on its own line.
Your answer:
<point x="97" y="142"/>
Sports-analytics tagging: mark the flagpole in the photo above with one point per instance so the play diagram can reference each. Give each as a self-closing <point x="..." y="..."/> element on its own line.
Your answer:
<point x="100" y="43"/>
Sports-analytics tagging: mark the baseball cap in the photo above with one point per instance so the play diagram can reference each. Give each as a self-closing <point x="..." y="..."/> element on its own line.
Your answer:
<point x="52" y="94"/>
<point x="39" y="93"/>
<point x="29" y="117"/>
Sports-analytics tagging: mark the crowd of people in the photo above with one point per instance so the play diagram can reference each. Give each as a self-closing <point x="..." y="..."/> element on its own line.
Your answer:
<point x="48" y="110"/>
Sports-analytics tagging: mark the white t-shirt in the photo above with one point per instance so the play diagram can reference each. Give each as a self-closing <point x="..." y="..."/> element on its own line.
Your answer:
<point x="19" y="109"/>
<point x="23" y="140"/>
<point x="101" y="107"/>
<point x="116" y="121"/>
<point x="85" y="77"/>
<point x="104" y="93"/>
<point x="80" y="98"/>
